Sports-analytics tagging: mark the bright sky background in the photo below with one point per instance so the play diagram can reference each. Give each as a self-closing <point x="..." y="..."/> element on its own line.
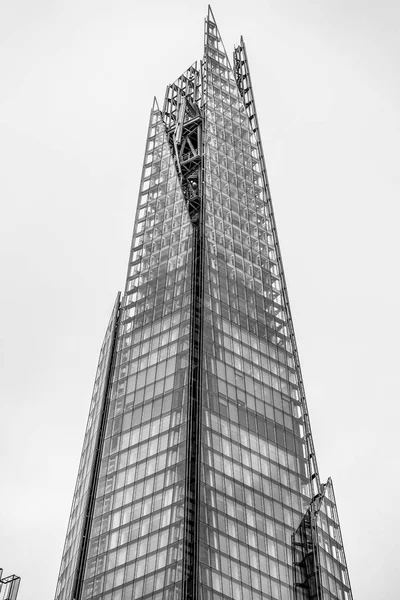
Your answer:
<point x="77" y="80"/>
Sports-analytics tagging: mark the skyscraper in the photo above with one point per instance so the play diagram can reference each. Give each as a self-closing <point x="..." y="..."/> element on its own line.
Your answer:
<point x="198" y="477"/>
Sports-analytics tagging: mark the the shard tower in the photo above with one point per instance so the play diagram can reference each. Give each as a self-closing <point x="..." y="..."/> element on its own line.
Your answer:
<point x="198" y="478"/>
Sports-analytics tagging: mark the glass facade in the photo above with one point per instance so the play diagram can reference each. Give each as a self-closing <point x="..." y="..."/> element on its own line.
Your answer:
<point x="198" y="478"/>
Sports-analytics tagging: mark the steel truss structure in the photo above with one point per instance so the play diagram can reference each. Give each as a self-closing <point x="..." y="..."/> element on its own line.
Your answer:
<point x="198" y="478"/>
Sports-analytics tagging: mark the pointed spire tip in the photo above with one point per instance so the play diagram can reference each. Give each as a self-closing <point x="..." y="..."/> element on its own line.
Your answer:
<point x="210" y="13"/>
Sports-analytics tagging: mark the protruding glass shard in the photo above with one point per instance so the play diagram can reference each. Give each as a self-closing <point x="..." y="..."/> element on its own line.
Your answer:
<point x="319" y="563"/>
<point x="70" y="575"/>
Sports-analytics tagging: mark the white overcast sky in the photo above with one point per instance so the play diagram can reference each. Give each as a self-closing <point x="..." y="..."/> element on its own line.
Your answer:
<point x="77" y="79"/>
